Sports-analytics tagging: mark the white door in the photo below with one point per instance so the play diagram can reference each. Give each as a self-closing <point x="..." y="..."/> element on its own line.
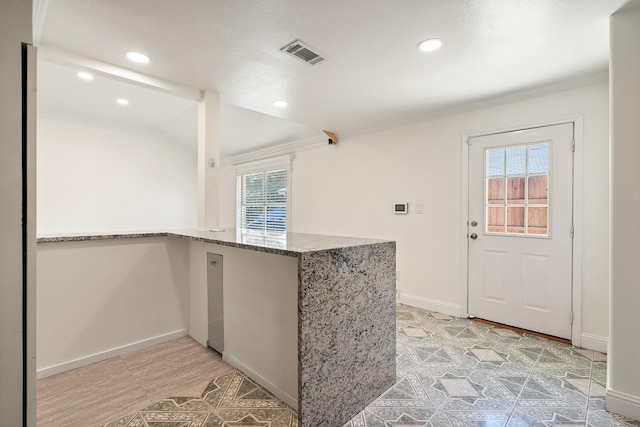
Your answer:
<point x="520" y="228"/>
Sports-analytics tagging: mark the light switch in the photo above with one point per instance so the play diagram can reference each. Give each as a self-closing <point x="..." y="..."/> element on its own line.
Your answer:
<point x="419" y="208"/>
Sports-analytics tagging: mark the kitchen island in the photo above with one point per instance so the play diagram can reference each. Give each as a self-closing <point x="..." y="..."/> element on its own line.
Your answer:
<point x="311" y="318"/>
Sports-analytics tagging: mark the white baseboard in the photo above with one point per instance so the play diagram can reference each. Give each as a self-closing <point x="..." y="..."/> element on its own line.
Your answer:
<point x="431" y="304"/>
<point x="281" y="394"/>
<point x="594" y="342"/>
<point x="107" y="354"/>
<point x="623" y="404"/>
<point x="201" y="338"/>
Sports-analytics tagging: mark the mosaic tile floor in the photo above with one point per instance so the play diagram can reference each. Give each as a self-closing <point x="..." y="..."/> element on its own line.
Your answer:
<point x="450" y="372"/>
<point x="456" y="372"/>
<point x="229" y="400"/>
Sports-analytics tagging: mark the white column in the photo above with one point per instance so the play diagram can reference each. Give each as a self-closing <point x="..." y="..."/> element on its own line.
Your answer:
<point x="16" y="27"/>
<point x="209" y="161"/>
<point x="623" y="388"/>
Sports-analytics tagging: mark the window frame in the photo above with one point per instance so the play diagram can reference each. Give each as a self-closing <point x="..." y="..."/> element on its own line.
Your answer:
<point x="526" y="205"/>
<point x="264" y="167"/>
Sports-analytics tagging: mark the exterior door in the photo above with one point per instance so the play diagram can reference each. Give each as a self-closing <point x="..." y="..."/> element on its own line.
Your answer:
<point x="521" y="228"/>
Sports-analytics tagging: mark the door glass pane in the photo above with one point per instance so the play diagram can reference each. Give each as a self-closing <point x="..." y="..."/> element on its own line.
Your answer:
<point x="495" y="162"/>
<point x="495" y="191"/>
<point x="538" y="159"/>
<point x="516" y="160"/>
<point x="539" y="189"/>
<point x="515" y="220"/>
<point x="495" y="219"/>
<point x="516" y="190"/>
<point x="538" y="221"/>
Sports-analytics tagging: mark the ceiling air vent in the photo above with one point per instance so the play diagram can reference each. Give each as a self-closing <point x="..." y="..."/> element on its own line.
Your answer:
<point x="302" y="52"/>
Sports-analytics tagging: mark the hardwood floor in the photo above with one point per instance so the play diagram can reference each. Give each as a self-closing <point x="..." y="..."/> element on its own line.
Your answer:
<point x="96" y="394"/>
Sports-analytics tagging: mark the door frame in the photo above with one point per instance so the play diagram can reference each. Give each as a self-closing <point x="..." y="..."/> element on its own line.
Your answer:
<point x="576" y="288"/>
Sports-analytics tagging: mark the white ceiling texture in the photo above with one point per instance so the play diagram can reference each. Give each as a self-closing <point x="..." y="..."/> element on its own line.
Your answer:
<point x="373" y="76"/>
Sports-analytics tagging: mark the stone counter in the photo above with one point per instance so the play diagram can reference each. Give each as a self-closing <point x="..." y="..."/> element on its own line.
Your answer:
<point x="346" y="314"/>
<point x="291" y="244"/>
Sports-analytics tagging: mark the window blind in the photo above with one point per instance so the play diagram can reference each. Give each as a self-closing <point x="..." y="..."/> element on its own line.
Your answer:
<point x="262" y="202"/>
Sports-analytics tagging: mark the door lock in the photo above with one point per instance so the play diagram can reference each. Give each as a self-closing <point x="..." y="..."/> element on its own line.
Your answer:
<point x="474" y="223"/>
<point x="473" y="236"/>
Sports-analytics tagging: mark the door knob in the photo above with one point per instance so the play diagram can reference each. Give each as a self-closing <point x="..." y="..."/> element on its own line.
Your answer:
<point x="474" y="236"/>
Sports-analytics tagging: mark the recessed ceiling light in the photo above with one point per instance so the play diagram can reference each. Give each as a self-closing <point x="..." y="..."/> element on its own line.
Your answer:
<point x="85" y="76"/>
<point x="280" y="104"/>
<point x="122" y="101"/>
<point x="429" y="45"/>
<point x="138" y="57"/>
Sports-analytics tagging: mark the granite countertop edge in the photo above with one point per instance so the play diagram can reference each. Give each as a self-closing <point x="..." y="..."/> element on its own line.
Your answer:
<point x="297" y="244"/>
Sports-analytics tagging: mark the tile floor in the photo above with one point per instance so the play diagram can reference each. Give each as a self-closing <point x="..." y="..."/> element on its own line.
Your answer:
<point x="228" y="400"/>
<point x="456" y="372"/>
<point x="450" y="372"/>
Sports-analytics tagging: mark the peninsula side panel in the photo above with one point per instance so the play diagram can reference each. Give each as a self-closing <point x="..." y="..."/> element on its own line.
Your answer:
<point x="346" y="324"/>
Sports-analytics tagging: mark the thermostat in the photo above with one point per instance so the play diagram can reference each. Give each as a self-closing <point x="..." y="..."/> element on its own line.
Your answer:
<point x="401" y="208"/>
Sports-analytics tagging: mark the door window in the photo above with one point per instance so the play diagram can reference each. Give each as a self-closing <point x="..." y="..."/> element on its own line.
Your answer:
<point x="517" y="190"/>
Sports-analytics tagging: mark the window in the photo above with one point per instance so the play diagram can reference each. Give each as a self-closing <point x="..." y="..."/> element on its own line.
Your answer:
<point x="517" y="190"/>
<point x="262" y="200"/>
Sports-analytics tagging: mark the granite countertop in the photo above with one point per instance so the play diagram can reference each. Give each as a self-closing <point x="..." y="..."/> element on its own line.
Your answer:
<point x="293" y="244"/>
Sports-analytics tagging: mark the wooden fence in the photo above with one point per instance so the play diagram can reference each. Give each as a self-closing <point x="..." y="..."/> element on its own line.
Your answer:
<point x="537" y="216"/>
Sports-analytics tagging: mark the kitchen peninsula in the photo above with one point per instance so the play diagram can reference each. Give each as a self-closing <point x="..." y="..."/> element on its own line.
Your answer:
<point x="309" y="317"/>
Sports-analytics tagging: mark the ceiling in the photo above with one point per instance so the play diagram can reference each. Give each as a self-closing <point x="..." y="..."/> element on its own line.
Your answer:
<point x="373" y="75"/>
<point x="62" y="95"/>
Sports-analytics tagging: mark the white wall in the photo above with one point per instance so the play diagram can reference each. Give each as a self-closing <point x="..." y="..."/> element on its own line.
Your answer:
<point x="102" y="298"/>
<point x="15" y="27"/>
<point x="349" y="189"/>
<point x="98" y="177"/>
<point x="623" y="388"/>
<point x="97" y="299"/>
<point x="260" y="313"/>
